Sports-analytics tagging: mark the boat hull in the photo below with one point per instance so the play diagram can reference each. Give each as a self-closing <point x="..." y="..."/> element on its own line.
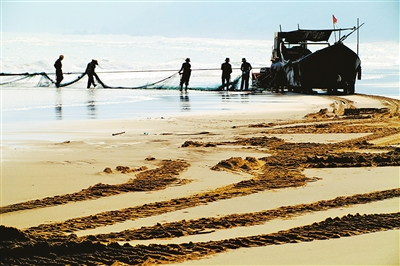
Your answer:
<point x="333" y="68"/>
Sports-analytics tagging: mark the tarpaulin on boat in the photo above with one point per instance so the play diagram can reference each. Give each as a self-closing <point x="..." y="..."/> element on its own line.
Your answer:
<point x="298" y="36"/>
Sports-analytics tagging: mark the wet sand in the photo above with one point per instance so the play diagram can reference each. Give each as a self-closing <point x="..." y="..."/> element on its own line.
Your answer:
<point x="235" y="187"/>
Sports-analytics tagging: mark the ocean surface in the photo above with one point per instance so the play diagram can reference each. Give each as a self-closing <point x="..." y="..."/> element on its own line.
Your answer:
<point x="129" y="61"/>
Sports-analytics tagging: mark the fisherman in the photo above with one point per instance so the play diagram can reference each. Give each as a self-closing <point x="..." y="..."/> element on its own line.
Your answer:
<point x="226" y="73"/>
<point x="185" y="71"/>
<point x="59" y="73"/>
<point x="246" y="67"/>
<point x="90" y="72"/>
<point x="278" y="74"/>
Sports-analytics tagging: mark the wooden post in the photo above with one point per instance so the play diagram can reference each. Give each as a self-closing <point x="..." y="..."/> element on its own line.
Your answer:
<point x="358" y="35"/>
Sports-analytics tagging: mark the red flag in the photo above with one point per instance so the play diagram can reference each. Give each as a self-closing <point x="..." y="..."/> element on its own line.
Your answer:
<point x="334" y="19"/>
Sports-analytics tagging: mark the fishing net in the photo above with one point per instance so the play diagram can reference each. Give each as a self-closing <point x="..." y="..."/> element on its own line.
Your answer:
<point x="15" y="80"/>
<point x="44" y="79"/>
<point x="171" y="82"/>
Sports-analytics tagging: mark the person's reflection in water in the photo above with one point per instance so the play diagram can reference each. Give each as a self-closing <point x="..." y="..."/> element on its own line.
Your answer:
<point x="225" y="96"/>
<point x="91" y="106"/>
<point x="185" y="103"/>
<point x="234" y="97"/>
<point x="58" y="104"/>
<point x="244" y="98"/>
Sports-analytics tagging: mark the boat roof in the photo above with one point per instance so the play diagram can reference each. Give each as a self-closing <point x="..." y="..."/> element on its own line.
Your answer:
<point x="298" y="36"/>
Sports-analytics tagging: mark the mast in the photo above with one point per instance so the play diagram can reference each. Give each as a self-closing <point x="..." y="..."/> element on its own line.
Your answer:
<point x="358" y="35"/>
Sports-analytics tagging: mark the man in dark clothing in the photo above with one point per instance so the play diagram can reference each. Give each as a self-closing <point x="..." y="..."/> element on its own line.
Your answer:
<point x="185" y="71"/>
<point x="90" y="72"/>
<point x="59" y="73"/>
<point x="226" y="73"/>
<point x="279" y="75"/>
<point x="246" y="67"/>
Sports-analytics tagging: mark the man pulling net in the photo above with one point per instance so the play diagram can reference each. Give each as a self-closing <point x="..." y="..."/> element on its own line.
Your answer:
<point x="185" y="71"/>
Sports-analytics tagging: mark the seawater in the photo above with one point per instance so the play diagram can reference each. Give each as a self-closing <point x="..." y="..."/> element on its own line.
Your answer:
<point x="79" y="104"/>
<point x="23" y="101"/>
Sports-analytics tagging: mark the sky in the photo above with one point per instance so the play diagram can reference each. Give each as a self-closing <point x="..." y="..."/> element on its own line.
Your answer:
<point x="199" y="19"/>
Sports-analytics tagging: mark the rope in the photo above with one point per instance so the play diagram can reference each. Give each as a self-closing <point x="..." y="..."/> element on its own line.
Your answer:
<point x="111" y="72"/>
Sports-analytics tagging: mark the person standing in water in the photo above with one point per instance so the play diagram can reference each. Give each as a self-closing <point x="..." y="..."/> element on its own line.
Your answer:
<point x="246" y="67"/>
<point x="90" y="72"/>
<point x="59" y="73"/>
<point x="185" y="71"/>
<point x="226" y="73"/>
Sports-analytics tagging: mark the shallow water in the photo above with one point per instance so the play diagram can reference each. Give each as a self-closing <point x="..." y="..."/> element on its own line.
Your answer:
<point x="76" y="104"/>
<point x="23" y="104"/>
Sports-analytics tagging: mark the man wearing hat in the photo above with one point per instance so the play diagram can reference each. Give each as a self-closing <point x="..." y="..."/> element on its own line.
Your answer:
<point x="59" y="73"/>
<point x="90" y="72"/>
<point x="185" y="71"/>
<point x="226" y="73"/>
<point x="246" y="67"/>
<point x="278" y="75"/>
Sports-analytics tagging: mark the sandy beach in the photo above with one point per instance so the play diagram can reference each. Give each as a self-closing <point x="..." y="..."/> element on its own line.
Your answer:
<point x="311" y="182"/>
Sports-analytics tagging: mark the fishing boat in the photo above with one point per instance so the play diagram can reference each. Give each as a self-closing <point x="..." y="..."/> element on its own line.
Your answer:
<point x="332" y="67"/>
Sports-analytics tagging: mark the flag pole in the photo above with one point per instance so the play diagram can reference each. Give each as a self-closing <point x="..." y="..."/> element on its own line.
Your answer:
<point x="333" y="22"/>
